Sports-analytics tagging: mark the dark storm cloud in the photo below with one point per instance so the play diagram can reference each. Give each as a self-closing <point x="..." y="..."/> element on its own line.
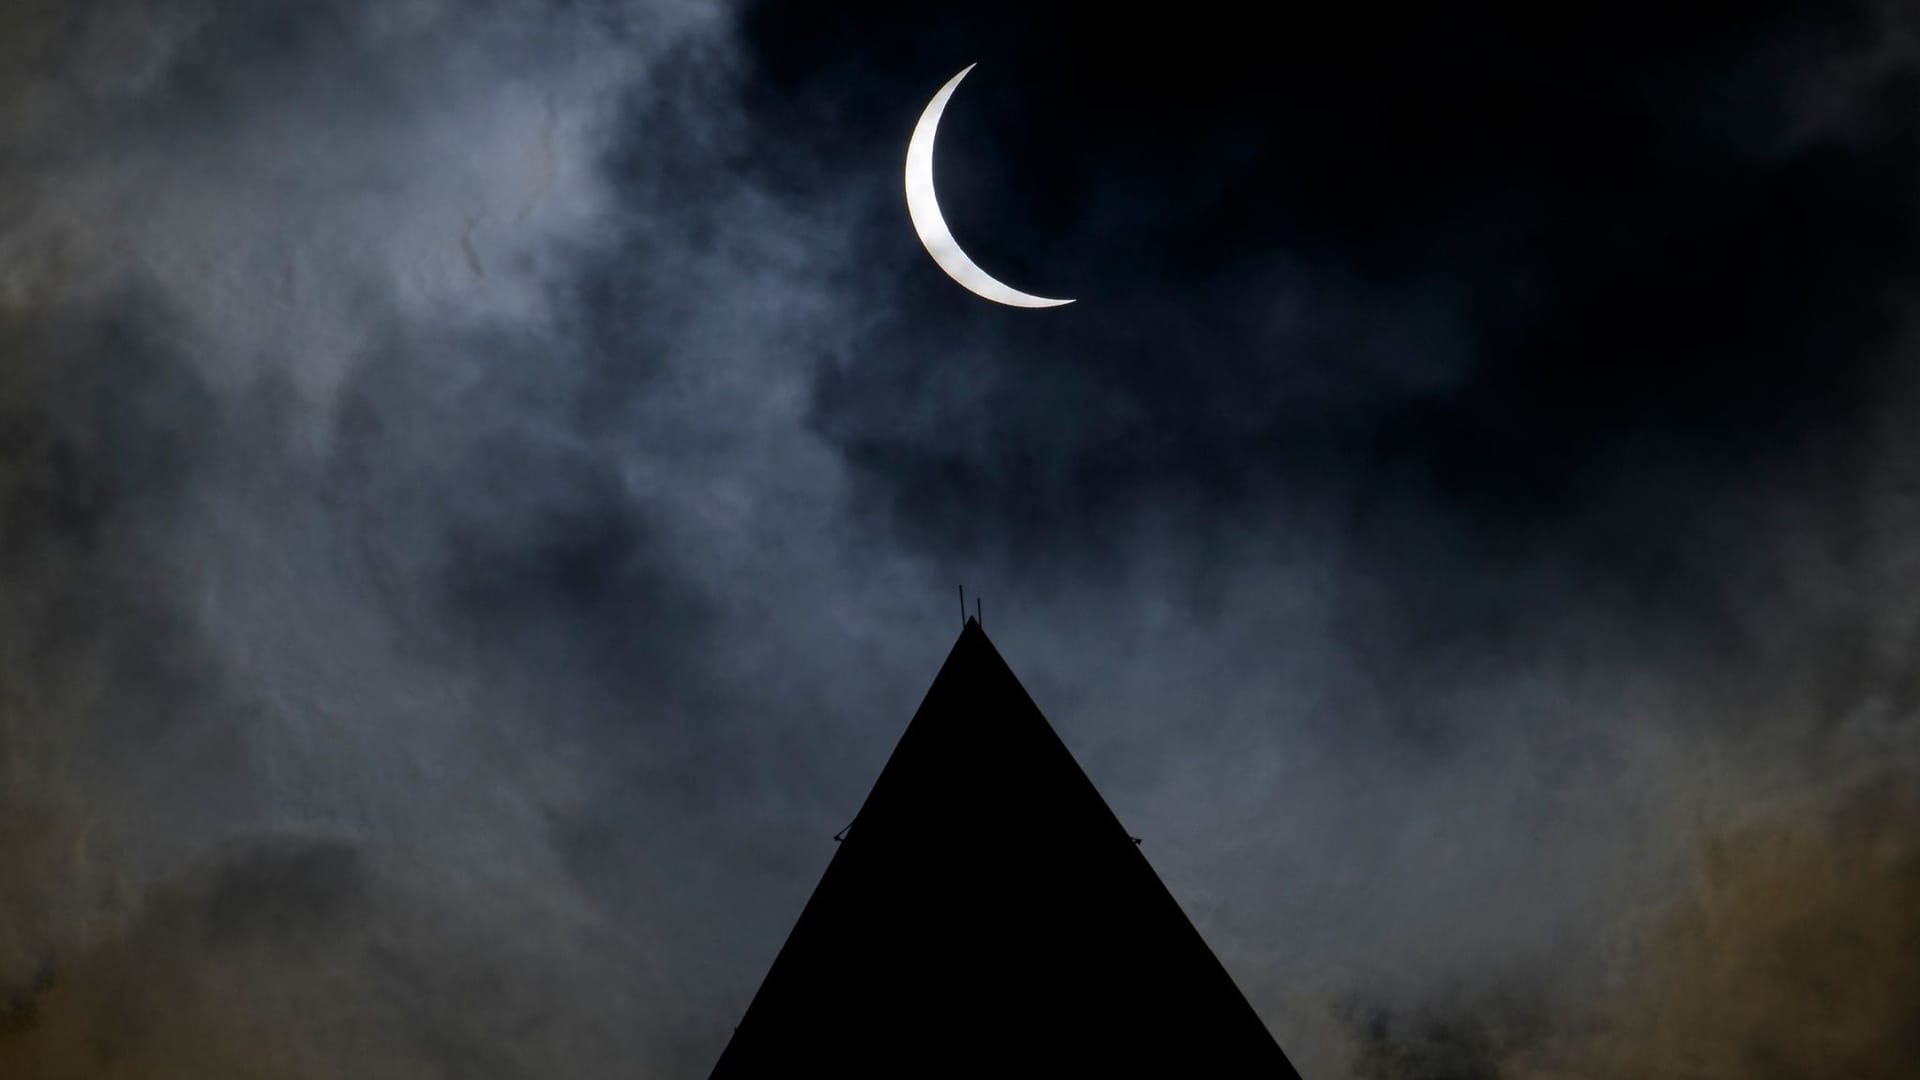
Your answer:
<point x="1789" y="953"/>
<point x="276" y="910"/>
<point x="1793" y="955"/>
<point x="1470" y="1042"/>
<point x="482" y="487"/>
<point x="310" y="526"/>
<point x="1497" y="269"/>
<point x="1530" y="390"/>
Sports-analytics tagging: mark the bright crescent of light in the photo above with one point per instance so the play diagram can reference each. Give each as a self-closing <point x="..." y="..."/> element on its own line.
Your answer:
<point x="924" y="208"/>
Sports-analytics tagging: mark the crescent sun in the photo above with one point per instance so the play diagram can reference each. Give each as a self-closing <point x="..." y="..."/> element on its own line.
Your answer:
<point x="924" y="208"/>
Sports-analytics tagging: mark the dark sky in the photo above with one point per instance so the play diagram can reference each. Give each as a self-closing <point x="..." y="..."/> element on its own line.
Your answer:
<point x="482" y="487"/>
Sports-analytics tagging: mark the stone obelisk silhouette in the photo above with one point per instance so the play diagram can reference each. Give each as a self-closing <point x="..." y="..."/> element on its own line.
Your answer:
<point x="987" y="915"/>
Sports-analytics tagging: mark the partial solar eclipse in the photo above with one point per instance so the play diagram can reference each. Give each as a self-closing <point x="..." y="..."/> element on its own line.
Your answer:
<point x="924" y="208"/>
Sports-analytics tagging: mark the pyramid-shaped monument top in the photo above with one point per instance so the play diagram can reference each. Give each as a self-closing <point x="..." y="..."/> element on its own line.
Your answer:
<point x="988" y="916"/>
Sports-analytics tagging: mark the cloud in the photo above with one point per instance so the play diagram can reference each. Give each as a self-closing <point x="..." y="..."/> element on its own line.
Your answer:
<point x="209" y="975"/>
<point x="1792" y="955"/>
<point x="287" y="307"/>
<point x="1788" y="952"/>
<point x="484" y="485"/>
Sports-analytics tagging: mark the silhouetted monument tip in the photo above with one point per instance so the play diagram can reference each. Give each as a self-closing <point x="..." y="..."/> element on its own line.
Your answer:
<point x="989" y="916"/>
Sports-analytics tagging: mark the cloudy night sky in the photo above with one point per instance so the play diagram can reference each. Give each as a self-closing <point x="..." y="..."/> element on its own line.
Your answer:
<point x="482" y="488"/>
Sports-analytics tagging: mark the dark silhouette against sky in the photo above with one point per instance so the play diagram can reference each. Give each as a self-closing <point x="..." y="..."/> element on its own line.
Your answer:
<point x="986" y="915"/>
<point x="481" y="486"/>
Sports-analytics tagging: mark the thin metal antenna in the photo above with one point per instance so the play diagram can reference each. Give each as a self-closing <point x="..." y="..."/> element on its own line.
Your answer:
<point x="976" y="613"/>
<point x="963" y="607"/>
